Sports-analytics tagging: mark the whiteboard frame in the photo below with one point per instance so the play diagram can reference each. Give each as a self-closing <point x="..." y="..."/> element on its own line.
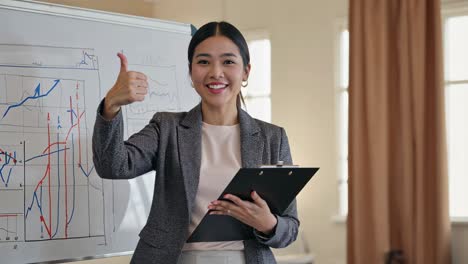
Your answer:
<point x="103" y="17"/>
<point x="110" y="255"/>
<point x="95" y="15"/>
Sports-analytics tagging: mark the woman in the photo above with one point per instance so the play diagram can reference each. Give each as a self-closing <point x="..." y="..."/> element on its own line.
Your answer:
<point x="195" y="155"/>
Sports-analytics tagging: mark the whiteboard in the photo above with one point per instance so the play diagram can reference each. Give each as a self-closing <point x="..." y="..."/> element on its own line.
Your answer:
<point x="56" y="64"/>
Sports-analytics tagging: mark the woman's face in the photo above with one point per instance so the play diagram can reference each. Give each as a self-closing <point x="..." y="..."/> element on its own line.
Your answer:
<point x="218" y="72"/>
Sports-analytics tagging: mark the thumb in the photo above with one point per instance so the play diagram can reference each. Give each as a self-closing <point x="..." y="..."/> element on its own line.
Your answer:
<point x="123" y="62"/>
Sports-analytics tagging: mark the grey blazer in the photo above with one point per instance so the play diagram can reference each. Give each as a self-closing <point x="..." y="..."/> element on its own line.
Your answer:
<point x="171" y="145"/>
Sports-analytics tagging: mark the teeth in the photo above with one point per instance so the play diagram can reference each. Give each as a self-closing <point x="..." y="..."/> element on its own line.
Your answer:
<point x="217" y="86"/>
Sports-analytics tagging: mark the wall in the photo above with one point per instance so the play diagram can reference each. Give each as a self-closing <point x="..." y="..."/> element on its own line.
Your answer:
<point x="134" y="7"/>
<point x="303" y="96"/>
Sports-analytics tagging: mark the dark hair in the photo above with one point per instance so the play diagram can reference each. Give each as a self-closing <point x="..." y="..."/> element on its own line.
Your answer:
<point x="220" y="29"/>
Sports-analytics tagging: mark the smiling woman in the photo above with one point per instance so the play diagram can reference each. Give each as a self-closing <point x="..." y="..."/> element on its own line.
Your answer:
<point x="195" y="155"/>
<point x="219" y="61"/>
<point x="217" y="73"/>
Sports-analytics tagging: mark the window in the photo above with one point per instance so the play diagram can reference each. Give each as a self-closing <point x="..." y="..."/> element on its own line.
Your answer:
<point x="342" y="99"/>
<point x="257" y="94"/>
<point x="455" y="26"/>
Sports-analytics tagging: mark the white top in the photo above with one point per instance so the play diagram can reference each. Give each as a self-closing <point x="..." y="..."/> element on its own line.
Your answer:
<point x="220" y="161"/>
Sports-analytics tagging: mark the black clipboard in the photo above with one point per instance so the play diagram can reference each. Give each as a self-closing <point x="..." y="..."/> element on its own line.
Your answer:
<point x="277" y="185"/>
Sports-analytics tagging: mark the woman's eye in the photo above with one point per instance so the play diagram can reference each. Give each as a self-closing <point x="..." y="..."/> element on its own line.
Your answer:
<point x="229" y="62"/>
<point x="202" y="62"/>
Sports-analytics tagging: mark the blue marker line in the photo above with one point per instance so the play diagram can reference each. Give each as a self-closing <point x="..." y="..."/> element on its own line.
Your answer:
<point x="40" y="210"/>
<point x="39" y="204"/>
<point x="1" y="169"/>
<point x="40" y="207"/>
<point x="35" y="157"/>
<point x="8" y="179"/>
<point x="8" y="158"/>
<point x="73" y="112"/>
<point x="36" y="95"/>
<point x="84" y="172"/>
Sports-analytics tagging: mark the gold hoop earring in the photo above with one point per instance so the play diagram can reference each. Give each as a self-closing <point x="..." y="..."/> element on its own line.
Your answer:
<point x="191" y="83"/>
<point x="246" y="83"/>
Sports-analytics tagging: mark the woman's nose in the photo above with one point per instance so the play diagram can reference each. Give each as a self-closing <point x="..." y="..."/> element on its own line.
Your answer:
<point x="216" y="71"/>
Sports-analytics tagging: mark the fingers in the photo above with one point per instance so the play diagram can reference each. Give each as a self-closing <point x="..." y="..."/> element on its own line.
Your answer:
<point x="237" y="203"/>
<point x="138" y="83"/>
<point x="223" y="212"/>
<point x="138" y="94"/>
<point x="256" y="214"/>
<point x="223" y="207"/>
<point x="236" y="200"/>
<point x="123" y="62"/>
<point x="235" y="206"/>
<point x="138" y="98"/>
<point x="257" y="199"/>
<point x="137" y="75"/>
<point x="141" y="90"/>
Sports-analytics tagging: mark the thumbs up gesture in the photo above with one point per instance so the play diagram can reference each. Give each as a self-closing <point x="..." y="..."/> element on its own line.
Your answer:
<point x="129" y="87"/>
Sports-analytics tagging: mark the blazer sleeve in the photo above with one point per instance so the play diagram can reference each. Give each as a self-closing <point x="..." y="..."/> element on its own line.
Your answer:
<point x="287" y="226"/>
<point x="115" y="158"/>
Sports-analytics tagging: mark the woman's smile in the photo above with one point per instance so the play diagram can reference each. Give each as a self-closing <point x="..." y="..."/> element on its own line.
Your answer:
<point x="216" y="87"/>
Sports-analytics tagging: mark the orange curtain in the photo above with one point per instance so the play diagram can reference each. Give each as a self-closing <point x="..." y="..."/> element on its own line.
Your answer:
<point x="398" y="182"/>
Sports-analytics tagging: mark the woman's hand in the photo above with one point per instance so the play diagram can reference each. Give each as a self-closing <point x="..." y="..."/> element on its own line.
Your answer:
<point x="256" y="214"/>
<point x="130" y="87"/>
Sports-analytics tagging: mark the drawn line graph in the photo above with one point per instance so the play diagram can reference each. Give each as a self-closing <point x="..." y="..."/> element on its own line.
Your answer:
<point x="88" y="59"/>
<point x="58" y="175"/>
<point x="7" y="159"/>
<point x="61" y="160"/>
<point x="10" y="166"/>
<point x="47" y="174"/>
<point x="37" y="94"/>
<point x="47" y="57"/>
<point x="9" y="227"/>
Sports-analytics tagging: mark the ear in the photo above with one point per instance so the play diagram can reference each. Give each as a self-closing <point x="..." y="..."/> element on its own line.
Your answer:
<point x="245" y="76"/>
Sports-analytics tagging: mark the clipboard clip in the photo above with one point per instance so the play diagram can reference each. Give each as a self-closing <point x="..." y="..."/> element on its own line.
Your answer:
<point x="279" y="164"/>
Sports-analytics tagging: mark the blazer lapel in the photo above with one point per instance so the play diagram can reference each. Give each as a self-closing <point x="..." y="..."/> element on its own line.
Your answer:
<point x="189" y="142"/>
<point x="251" y="141"/>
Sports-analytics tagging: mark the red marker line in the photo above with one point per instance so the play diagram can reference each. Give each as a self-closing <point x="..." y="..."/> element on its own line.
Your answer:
<point x="53" y="144"/>
<point x="66" y="194"/>
<point x="79" y="132"/>
<point x="69" y="131"/>
<point x="48" y="165"/>
<point x="46" y="227"/>
<point x="9" y="215"/>
<point x="66" y="138"/>
<point x="43" y="177"/>
<point x="9" y="155"/>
